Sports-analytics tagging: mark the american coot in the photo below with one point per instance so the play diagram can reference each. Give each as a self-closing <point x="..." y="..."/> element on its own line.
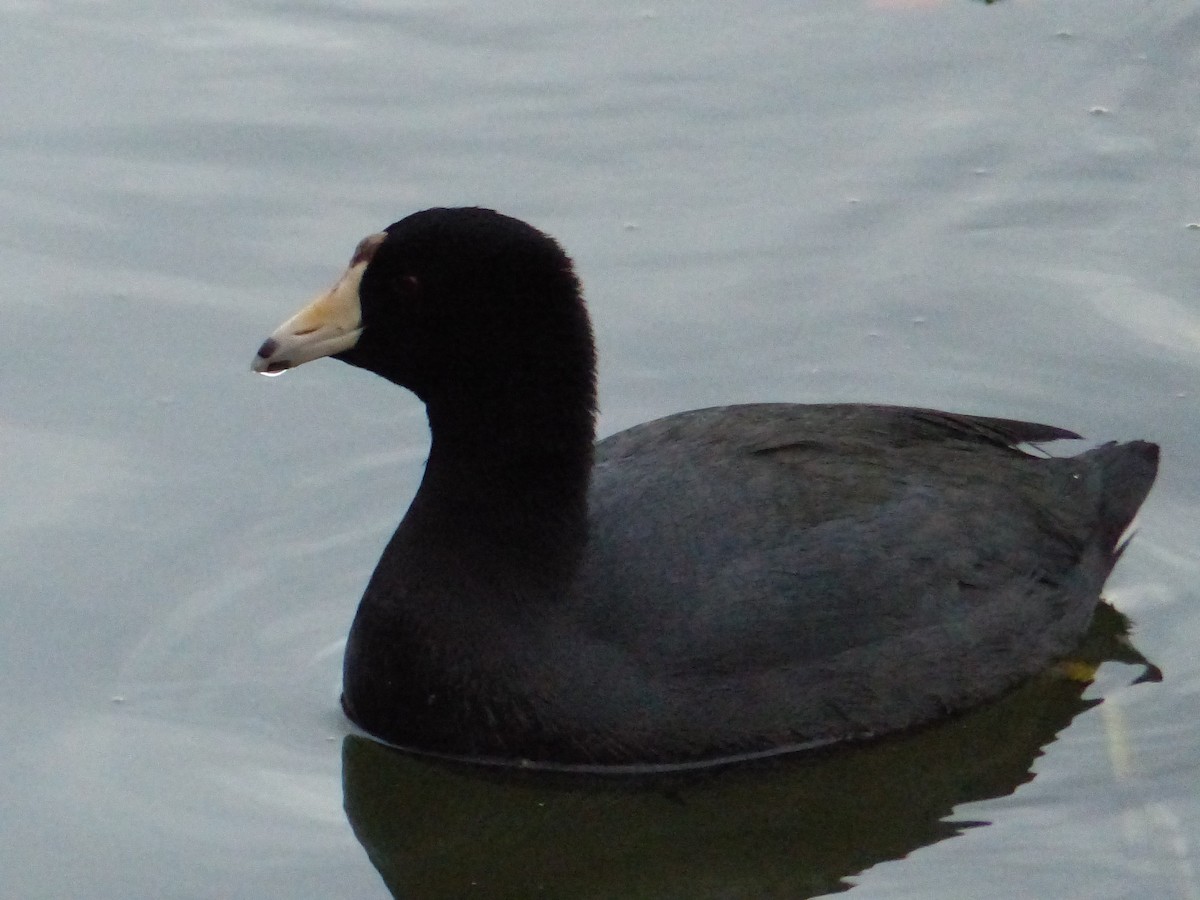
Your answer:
<point x="718" y="584"/>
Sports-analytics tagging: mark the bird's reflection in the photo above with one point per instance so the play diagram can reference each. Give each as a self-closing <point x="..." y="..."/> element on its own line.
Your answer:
<point x="793" y="827"/>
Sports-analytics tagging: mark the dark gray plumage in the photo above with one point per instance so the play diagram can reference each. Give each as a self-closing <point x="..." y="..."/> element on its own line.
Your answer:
<point x="729" y="581"/>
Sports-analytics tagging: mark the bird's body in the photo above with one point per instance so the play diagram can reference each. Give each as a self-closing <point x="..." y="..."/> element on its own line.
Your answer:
<point x="719" y="583"/>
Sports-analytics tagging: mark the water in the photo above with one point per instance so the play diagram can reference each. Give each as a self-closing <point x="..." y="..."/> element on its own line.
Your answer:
<point x="975" y="207"/>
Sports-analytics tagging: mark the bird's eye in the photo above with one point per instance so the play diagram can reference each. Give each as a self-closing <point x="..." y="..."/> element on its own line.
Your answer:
<point x="408" y="286"/>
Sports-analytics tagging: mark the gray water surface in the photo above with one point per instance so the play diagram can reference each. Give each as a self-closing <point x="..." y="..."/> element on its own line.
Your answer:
<point x="982" y="208"/>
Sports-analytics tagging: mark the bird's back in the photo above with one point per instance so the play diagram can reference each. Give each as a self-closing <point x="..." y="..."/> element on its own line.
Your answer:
<point x="838" y="571"/>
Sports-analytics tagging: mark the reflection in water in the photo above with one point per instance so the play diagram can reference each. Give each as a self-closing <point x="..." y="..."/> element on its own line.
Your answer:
<point x="794" y="827"/>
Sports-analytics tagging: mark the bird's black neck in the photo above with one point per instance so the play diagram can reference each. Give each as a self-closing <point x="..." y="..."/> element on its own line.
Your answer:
<point x="506" y="483"/>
